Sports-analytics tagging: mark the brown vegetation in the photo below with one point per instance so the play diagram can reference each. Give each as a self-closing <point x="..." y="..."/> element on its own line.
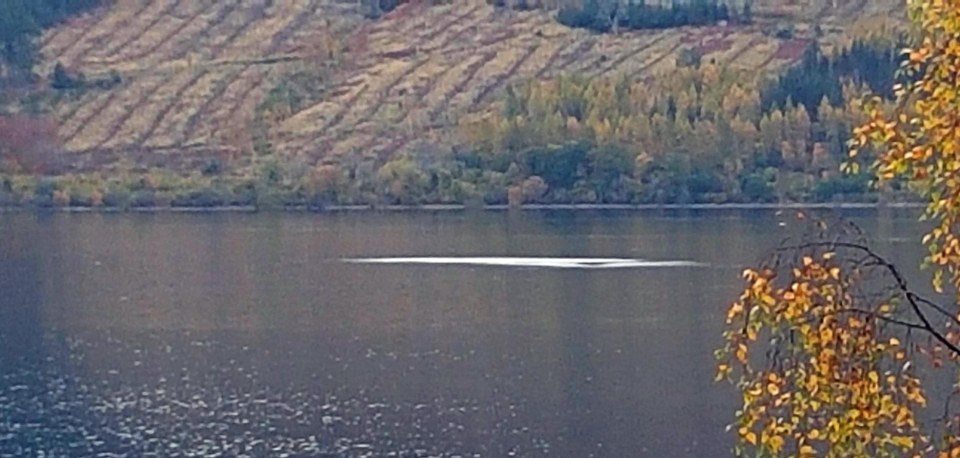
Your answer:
<point x="28" y="144"/>
<point x="194" y="73"/>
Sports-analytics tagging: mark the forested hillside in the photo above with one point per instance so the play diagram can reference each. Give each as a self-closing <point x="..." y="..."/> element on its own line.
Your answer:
<point x="708" y="134"/>
<point x="168" y="102"/>
<point x="21" y="22"/>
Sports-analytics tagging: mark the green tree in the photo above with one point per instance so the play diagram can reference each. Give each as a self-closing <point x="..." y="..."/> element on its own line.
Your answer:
<point x="22" y="21"/>
<point x="401" y="181"/>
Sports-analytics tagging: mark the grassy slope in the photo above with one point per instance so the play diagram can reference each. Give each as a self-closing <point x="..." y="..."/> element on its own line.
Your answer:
<point x="195" y="71"/>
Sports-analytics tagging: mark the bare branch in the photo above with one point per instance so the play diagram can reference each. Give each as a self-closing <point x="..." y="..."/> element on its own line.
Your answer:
<point x="915" y="300"/>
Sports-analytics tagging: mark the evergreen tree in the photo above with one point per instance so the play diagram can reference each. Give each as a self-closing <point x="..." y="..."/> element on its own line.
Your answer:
<point x="603" y="15"/>
<point x="60" y="79"/>
<point x="21" y="23"/>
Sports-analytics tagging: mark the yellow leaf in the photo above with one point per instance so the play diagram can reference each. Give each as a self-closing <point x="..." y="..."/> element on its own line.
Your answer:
<point x="722" y="371"/>
<point x="807" y="450"/>
<point x="773" y="389"/>
<point x="741" y="354"/>
<point x="735" y="310"/>
<point x="903" y="416"/>
<point x="826" y="335"/>
<point x="894" y="341"/>
<point x="917" y="397"/>
<point x="751" y="437"/>
<point x="775" y="443"/>
<point x="903" y="442"/>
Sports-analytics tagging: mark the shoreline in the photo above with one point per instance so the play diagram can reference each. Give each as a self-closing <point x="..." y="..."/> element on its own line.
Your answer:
<point x="460" y="207"/>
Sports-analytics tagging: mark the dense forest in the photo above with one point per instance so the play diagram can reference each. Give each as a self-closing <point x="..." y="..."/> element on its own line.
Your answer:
<point x="603" y="16"/>
<point x="873" y="63"/>
<point x="707" y="134"/>
<point x="21" y="22"/>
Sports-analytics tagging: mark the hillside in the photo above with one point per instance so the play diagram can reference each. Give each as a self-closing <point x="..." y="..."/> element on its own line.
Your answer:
<point x="195" y="72"/>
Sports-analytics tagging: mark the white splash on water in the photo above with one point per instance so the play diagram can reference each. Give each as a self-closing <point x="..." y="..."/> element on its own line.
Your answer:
<point x="562" y="263"/>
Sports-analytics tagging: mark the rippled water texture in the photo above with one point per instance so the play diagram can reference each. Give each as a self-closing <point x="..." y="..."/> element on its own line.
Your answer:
<point x="450" y="334"/>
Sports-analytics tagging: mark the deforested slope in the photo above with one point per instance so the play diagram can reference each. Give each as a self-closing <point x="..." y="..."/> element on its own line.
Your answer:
<point x="194" y="74"/>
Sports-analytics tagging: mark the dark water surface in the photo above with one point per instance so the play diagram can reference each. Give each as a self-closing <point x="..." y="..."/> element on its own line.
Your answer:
<point x="239" y="334"/>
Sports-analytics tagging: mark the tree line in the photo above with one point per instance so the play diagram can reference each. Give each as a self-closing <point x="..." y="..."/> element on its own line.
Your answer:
<point x="605" y="15"/>
<point x="871" y="62"/>
<point x="22" y="22"/>
<point x="707" y="134"/>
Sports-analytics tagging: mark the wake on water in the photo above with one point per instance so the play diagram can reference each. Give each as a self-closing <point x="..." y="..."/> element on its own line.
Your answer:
<point x="562" y="263"/>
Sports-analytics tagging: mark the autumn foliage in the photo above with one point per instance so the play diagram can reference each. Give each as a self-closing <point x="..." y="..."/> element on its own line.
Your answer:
<point x="825" y="341"/>
<point x="28" y="143"/>
<point x="833" y="376"/>
<point x="921" y="141"/>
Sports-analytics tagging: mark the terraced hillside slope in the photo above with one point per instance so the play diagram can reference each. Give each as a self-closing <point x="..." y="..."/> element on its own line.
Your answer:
<point x="195" y="71"/>
<point x="422" y="67"/>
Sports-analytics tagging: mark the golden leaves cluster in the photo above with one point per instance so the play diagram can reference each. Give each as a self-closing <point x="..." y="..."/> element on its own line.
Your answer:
<point x="818" y="369"/>
<point x="816" y="376"/>
<point x="919" y="141"/>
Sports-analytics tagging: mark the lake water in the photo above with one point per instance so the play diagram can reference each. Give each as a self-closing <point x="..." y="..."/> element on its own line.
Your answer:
<point x="568" y="334"/>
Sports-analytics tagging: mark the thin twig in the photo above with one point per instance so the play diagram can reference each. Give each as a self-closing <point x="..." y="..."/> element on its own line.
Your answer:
<point x="914" y="299"/>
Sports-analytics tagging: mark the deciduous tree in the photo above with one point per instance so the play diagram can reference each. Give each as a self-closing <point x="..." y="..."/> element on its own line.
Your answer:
<point x="824" y="354"/>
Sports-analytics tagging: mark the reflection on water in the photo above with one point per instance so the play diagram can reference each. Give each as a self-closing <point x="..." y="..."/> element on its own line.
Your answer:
<point x="170" y="335"/>
<point x="562" y="263"/>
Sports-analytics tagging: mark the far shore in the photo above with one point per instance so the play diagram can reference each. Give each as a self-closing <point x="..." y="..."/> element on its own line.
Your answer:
<point x="460" y="207"/>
